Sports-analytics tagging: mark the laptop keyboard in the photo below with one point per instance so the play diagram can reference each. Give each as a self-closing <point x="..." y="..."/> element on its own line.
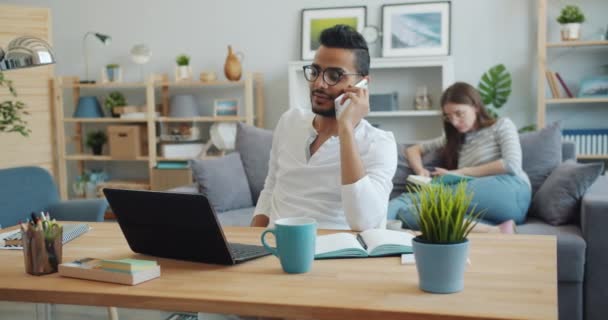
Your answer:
<point x="246" y="251"/>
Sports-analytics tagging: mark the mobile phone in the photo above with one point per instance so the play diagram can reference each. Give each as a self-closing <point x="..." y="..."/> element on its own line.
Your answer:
<point x="341" y="107"/>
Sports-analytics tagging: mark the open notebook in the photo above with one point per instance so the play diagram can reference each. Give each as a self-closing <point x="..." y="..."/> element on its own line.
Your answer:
<point x="370" y="243"/>
<point x="12" y="240"/>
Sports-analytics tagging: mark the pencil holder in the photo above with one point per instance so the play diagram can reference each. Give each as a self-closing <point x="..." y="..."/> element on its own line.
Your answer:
<point x="42" y="250"/>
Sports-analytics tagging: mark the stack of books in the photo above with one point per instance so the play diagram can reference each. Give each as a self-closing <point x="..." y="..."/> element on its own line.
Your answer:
<point x="123" y="271"/>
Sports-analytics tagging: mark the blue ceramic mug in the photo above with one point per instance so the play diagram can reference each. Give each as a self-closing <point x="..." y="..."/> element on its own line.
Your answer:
<point x="295" y="238"/>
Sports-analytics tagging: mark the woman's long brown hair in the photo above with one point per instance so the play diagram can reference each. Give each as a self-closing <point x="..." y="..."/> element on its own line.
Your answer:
<point x="461" y="93"/>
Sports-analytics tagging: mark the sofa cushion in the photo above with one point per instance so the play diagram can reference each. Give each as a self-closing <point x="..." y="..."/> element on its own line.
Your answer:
<point x="541" y="153"/>
<point x="254" y="145"/>
<point x="223" y="181"/>
<point x="236" y="218"/>
<point x="571" y="247"/>
<point x="558" y="200"/>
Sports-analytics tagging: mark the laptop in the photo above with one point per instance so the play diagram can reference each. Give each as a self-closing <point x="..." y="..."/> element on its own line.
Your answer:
<point x="176" y="225"/>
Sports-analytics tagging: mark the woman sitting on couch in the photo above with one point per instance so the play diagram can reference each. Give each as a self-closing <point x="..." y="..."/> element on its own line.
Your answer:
<point x="475" y="144"/>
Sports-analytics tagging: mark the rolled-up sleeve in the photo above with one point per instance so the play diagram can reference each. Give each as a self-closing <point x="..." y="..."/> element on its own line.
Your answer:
<point x="510" y="148"/>
<point x="433" y="144"/>
<point x="365" y="202"/>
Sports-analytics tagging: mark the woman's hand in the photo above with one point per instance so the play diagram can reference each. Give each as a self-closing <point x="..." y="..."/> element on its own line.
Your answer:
<point x="423" y="172"/>
<point x="439" y="172"/>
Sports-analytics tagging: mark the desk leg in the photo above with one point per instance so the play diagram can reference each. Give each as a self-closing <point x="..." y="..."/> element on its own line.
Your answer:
<point x="44" y="311"/>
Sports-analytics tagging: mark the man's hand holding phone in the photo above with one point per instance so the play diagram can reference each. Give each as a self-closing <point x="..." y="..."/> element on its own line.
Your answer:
<point x="353" y="104"/>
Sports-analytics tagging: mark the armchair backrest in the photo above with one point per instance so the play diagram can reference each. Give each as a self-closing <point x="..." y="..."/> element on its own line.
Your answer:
<point x="24" y="190"/>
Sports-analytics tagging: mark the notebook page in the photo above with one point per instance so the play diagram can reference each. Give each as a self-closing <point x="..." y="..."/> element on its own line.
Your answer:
<point x="377" y="237"/>
<point x="335" y="242"/>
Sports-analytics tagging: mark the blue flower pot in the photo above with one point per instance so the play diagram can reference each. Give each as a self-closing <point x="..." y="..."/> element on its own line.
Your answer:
<point x="440" y="266"/>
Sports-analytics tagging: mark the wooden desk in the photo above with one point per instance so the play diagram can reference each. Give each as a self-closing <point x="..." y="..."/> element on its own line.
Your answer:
<point x="511" y="277"/>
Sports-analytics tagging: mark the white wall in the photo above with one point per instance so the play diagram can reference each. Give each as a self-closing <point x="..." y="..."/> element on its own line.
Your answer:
<point x="484" y="33"/>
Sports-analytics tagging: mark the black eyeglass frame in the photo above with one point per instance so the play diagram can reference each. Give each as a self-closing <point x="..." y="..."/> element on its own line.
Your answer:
<point x="324" y="72"/>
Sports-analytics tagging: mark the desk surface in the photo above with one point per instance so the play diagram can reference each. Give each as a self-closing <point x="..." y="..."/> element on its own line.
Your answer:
<point x="510" y="277"/>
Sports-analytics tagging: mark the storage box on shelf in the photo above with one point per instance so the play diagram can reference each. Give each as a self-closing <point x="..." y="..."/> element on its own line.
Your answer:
<point x="390" y="76"/>
<point x="128" y="143"/>
<point x="550" y="99"/>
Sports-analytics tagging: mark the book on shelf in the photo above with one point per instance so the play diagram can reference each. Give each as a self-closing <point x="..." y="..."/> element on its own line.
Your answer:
<point x="448" y="178"/>
<point x="12" y="239"/>
<point x="551" y="80"/>
<point x="172" y="165"/>
<point x="369" y="243"/>
<point x="566" y="89"/>
<point x="92" y="269"/>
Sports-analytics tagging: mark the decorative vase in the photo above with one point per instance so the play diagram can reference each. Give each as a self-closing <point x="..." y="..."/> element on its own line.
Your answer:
<point x="422" y="101"/>
<point x="571" y="31"/>
<point x="183" y="73"/>
<point x="91" y="190"/>
<point x="440" y="266"/>
<point x="232" y="67"/>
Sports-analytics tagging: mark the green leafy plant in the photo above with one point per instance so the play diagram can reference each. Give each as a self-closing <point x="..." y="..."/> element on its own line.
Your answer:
<point x="495" y="87"/>
<point x="182" y="60"/>
<point x="11" y="111"/>
<point x="442" y="212"/>
<point x="112" y="65"/>
<point x="96" y="139"/>
<point x="114" y="99"/>
<point x="528" y="128"/>
<point x="571" y="14"/>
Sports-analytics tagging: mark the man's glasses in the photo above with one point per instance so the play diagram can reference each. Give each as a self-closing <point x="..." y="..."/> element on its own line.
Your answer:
<point x="459" y="114"/>
<point x="331" y="76"/>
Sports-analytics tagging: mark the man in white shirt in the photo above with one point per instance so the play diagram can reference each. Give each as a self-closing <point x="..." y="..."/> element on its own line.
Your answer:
<point x="337" y="170"/>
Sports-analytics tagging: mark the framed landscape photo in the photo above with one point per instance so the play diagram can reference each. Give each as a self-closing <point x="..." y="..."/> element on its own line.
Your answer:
<point x="314" y="21"/>
<point x="416" y="29"/>
<point x="225" y="107"/>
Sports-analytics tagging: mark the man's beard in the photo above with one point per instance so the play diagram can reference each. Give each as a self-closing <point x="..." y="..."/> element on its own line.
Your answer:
<point x="328" y="113"/>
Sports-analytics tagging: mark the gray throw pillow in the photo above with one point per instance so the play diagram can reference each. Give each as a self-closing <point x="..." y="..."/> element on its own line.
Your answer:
<point x="430" y="159"/>
<point x="254" y="145"/>
<point x="223" y="181"/>
<point x="558" y="200"/>
<point x="541" y="153"/>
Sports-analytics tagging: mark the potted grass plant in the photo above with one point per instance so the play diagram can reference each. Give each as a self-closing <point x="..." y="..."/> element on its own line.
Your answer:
<point x="571" y="18"/>
<point x="441" y="250"/>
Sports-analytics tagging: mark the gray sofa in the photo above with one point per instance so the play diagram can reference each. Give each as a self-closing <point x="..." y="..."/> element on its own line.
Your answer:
<point x="582" y="247"/>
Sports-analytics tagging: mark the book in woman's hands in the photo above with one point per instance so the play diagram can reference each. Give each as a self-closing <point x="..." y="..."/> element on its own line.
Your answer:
<point x="448" y="178"/>
<point x="370" y="243"/>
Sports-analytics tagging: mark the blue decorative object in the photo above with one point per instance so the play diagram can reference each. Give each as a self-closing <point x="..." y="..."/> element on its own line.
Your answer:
<point x="88" y="107"/>
<point x="440" y="266"/>
<point x="594" y="87"/>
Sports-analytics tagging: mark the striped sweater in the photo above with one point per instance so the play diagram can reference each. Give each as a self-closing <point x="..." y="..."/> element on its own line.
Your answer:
<point x="498" y="141"/>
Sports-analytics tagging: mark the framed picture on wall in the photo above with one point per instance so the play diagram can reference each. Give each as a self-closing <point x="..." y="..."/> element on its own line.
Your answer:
<point x="416" y="29"/>
<point x="314" y="21"/>
<point x="225" y="107"/>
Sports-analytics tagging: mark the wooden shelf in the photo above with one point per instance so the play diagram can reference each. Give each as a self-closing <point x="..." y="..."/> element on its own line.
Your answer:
<point x="565" y="44"/>
<point x="203" y="119"/>
<point x="109" y="85"/>
<point x="101" y="120"/>
<point x="186" y="159"/>
<point x="576" y="100"/>
<point x="405" y="113"/>
<point x="90" y="157"/>
<point x="592" y="156"/>
<point x="186" y="84"/>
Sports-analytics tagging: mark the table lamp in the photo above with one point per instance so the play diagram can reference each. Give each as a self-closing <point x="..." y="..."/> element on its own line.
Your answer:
<point x="25" y="52"/>
<point x="103" y="38"/>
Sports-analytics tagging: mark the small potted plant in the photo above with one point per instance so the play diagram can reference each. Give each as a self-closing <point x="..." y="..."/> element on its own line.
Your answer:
<point x="441" y="250"/>
<point x="96" y="140"/>
<point x="113" y="100"/>
<point x="113" y="72"/>
<point x="183" y="71"/>
<point x="571" y="18"/>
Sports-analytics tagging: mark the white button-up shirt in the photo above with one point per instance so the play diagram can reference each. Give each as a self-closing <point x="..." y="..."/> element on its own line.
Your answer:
<point x="301" y="185"/>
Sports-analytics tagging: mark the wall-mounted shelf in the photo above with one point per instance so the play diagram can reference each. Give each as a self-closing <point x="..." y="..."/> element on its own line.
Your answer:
<point x="405" y="113"/>
<point x="90" y="157"/>
<point x="102" y="120"/>
<point x="576" y="100"/>
<point x="568" y="44"/>
<point x="203" y="119"/>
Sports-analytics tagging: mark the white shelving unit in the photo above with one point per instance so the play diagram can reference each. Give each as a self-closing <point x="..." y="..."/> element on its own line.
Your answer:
<point x="401" y="75"/>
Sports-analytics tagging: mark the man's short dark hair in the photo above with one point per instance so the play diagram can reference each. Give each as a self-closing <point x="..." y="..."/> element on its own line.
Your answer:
<point x="345" y="37"/>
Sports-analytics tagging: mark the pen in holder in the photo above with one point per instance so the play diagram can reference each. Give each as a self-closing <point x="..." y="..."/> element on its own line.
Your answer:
<point x="42" y="246"/>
